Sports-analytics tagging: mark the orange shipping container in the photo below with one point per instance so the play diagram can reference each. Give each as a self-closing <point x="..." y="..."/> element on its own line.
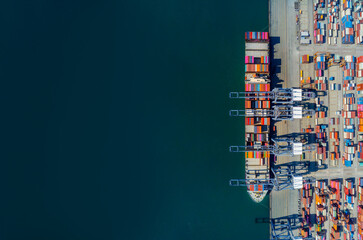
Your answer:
<point x="360" y="128"/>
<point x="360" y="86"/>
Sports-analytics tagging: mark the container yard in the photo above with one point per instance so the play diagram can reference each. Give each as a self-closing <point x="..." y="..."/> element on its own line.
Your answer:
<point x="331" y="65"/>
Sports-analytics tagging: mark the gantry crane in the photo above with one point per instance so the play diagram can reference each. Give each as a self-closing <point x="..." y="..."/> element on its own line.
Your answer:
<point x="281" y="147"/>
<point x="277" y="95"/>
<point x="282" y="179"/>
<point x="279" y="112"/>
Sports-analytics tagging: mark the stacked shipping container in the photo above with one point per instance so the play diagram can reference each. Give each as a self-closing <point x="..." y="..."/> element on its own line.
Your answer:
<point x="349" y="192"/>
<point x="358" y="17"/>
<point x="307" y="198"/>
<point x="319" y="26"/>
<point x="333" y="16"/>
<point x="257" y="36"/>
<point x="305" y="59"/>
<point x="349" y="129"/>
<point x="360" y="209"/>
<point x="321" y="205"/>
<point x="349" y="68"/>
<point x="347" y="23"/>
<point x="360" y="71"/>
<point x="319" y="66"/>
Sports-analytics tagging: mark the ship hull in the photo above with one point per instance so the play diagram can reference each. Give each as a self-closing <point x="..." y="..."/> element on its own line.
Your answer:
<point x="257" y="196"/>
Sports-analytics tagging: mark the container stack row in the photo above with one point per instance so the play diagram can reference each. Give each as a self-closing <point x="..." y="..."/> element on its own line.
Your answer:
<point x="335" y="143"/>
<point x="307" y="198"/>
<point x="349" y="68"/>
<point x="360" y="209"/>
<point x="349" y="196"/>
<point x="333" y="25"/>
<point x="319" y="66"/>
<point x="258" y="36"/>
<point x="321" y="206"/>
<point x="321" y="133"/>
<point x="257" y="60"/>
<point x="360" y="70"/>
<point x="257" y="68"/>
<point x="335" y="206"/>
<point x="257" y="104"/>
<point x="358" y="17"/>
<point x="349" y="192"/>
<point x="347" y="22"/>
<point x="319" y="25"/>
<point x="348" y="134"/>
<point x="256" y="187"/>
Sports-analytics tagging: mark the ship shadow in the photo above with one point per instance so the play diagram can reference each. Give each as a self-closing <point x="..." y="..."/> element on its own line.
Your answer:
<point x="295" y="220"/>
<point x="275" y="64"/>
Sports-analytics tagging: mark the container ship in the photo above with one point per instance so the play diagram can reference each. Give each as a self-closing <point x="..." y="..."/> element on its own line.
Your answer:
<point x="257" y="129"/>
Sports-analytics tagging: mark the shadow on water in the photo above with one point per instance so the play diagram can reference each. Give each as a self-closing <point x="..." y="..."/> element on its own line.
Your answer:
<point x="294" y="219"/>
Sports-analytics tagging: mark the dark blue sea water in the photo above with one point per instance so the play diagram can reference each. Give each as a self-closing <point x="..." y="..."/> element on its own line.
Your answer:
<point x="115" y="120"/>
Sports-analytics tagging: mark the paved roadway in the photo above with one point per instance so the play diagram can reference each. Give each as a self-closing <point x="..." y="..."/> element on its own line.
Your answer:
<point x="284" y="46"/>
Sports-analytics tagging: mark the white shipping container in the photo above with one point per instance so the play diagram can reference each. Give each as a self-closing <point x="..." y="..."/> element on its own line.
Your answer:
<point x="335" y="40"/>
<point x="347" y="107"/>
<point x="360" y="65"/>
<point x="305" y="34"/>
<point x="348" y="11"/>
<point x="330" y="33"/>
<point x="348" y="58"/>
<point x="329" y="40"/>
